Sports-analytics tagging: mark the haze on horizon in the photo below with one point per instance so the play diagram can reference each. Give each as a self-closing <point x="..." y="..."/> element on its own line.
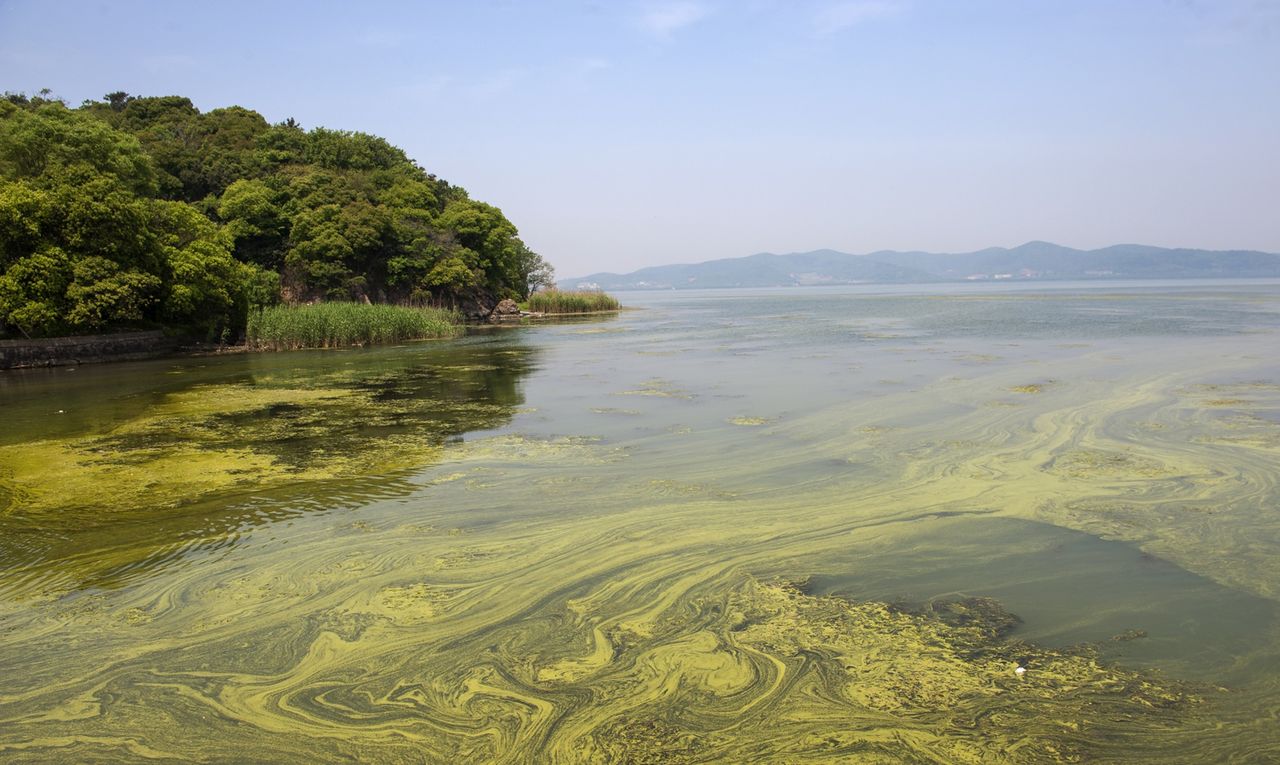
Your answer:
<point x="622" y="135"/>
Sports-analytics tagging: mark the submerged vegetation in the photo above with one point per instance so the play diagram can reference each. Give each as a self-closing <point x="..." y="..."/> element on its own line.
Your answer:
<point x="557" y="301"/>
<point x="336" y="325"/>
<point x="144" y="212"/>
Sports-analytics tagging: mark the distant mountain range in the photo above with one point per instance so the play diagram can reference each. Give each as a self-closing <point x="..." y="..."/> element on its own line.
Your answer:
<point x="1031" y="261"/>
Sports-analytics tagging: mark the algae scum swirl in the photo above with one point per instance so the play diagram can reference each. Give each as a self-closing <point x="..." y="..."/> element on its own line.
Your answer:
<point x="778" y="526"/>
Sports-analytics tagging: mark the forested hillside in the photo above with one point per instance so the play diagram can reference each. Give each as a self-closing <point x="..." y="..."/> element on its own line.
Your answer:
<point x="145" y="212"/>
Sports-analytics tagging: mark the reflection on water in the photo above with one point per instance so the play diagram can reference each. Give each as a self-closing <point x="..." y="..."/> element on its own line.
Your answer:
<point x="143" y="463"/>
<point x="790" y="525"/>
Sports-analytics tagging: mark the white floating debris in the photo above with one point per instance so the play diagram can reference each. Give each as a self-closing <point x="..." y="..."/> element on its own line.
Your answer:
<point x="1020" y="671"/>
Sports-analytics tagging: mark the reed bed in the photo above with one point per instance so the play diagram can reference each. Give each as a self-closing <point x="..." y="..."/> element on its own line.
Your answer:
<point x="556" y="301"/>
<point x="337" y="325"/>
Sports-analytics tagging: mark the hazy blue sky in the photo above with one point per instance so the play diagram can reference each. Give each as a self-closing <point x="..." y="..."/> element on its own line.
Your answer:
<point x="623" y="134"/>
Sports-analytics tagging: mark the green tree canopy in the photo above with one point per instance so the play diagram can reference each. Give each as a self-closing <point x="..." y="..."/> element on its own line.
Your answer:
<point x="144" y="211"/>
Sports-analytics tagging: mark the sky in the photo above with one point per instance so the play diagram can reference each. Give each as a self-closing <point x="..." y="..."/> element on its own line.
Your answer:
<point x="617" y="135"/>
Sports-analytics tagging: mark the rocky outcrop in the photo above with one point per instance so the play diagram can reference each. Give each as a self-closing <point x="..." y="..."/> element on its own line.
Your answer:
<point x="506" y="310"/>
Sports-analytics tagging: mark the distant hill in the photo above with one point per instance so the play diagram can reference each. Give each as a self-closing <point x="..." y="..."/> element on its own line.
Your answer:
<point x="1031" y="261"/>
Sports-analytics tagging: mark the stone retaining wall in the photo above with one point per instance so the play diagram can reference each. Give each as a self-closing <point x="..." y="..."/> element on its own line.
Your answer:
<point x="85" y="349"/>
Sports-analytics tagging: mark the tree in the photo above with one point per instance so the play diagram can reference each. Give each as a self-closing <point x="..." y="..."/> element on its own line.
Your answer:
<point x="207" y="287"/>
<point x="256" y="222"/>
<point x="23" y="212"/>
<point x="485" y="231"/>
<point x="143" y="211"/>
<point x="343" y="150"/>
<point x="102" y="294"/>
<point x="118" y="100"/>
<point x="33" y="292"/>
<point x="51" y="144"/>
<point x="538" y="273"/>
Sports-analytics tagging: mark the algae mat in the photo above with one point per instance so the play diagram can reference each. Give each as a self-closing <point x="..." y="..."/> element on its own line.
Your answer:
<point x="803" y="526"/>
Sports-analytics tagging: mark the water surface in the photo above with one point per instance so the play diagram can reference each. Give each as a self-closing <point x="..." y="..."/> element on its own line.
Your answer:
<point x="769" y="525"/>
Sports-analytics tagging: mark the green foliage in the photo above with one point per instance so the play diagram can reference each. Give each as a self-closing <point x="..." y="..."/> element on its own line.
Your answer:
<point x="23" y="210"/>
<point x="336" y="325"/>
<point x="536" y="273"/>
<point x="453" y="273"/>
<point x="195" y="154"/>
<point x="283" y="144"/>
<point x="256" y="222"/>
<point x="33" y="292"/>
<point x="342" y="150"/>
<point x="555" y="301"/>
<point x="97" y="217"/>
<point x="252" y="208"/>
<point x="262" y="288"/>
<point x="136" y="211"/>
<point x="208" y="288"/>
<point x="103" y="294"/>
<point x="51" y="144"/>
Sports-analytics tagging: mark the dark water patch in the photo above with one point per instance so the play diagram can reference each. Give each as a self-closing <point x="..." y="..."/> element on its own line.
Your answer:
<point x="1069" y="588"/>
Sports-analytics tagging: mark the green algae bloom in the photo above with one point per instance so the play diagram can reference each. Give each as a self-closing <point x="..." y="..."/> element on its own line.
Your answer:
<point x="467" y="552"/>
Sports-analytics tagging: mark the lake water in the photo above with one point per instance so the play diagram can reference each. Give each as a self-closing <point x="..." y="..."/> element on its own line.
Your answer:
<point x="798" y="525"/>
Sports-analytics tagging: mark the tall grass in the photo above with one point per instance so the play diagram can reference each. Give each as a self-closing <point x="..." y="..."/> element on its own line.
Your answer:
<point x="335" y="325"/>
<point x="555" y="301"/>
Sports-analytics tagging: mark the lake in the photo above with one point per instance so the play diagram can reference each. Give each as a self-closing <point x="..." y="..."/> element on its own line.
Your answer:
<point x="943" y="523"/>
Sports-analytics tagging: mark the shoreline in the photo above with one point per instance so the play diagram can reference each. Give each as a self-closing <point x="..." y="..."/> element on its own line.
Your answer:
<point x="77" y="350"/>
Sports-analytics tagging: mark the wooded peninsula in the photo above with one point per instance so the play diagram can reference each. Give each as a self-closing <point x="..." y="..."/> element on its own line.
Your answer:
<point x="144" y="212"/>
